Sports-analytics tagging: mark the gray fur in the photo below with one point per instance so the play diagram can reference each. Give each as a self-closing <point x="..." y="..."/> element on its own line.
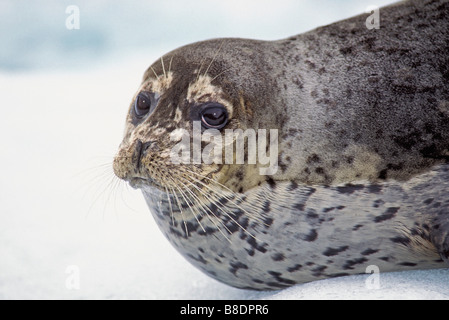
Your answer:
<point x="311" y="233"/>
<point x="363" y="117"/>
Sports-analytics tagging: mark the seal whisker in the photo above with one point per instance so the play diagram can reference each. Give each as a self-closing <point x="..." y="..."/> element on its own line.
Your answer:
<point x="180" y="210"/>
<point x="219" y="207"/>
<point x="227" y="197"/>
<point x="101" y="192"/>
<point x="170" y="206"/>
<point x="221" y="73"/>
<point x="169" y="65"/>
<point x="185" y="197"/>
<point x="163" y="67"/>
<point x="203" y="206"/>
<point x="152" y="69"/>
<point x="213" y="59"/>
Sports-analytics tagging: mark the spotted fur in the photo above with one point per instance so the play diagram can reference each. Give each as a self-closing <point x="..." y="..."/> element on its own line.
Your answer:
<point x="363" y="157"/>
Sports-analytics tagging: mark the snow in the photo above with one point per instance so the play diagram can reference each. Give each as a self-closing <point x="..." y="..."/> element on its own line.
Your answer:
<point x="63" y="210"/>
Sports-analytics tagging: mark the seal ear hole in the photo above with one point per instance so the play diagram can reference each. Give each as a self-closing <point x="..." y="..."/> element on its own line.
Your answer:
<point x="214" y="116"/>
<point x="145" y="104"/>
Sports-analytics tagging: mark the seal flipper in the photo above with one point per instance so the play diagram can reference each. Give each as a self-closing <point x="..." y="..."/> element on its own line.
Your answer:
<point x="440" y="235"/>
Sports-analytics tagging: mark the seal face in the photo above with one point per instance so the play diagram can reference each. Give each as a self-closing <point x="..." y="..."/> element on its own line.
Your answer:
<point x="360" y="120"/>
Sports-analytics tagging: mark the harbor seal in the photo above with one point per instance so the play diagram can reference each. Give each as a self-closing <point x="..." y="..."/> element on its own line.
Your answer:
<point x="362" y="176"/>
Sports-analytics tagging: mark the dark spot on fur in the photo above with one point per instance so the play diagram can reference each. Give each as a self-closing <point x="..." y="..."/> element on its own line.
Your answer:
<point x="310" y="64"/>
<point x="271" y="183"/>
<point x="278" y="257"/>
<point x="314" y="158"/>
<point x="296" y="267"/>
<point x="318" y="271"/>
<point x="235" y="266"/>
<point x="349" y="264"/>
<point x="345" y="51"/>
<point x="350" y="188"/>
<point x="336" y="275"/>
<point x="329" y="252"/>
<point x="378" y="203"/>
<point x="409" y="140"/>
<point x="383" y="174"/>
<point x="232" y="227"/>
<point x="384" y="259"/>
<point x="407" y="264"/>
<point x="268" y="221"/>
<point x="257" y="281"/>
<point x="311" y="236"/>
<point x="311" y="214"/>
<point x="319" y="170"/>
<point x="428" y="201"/>
<point x="401" y="240"/>
<point x="253" y="243"/>
<point x="293" y="186"/>
<point x="199" y="258"/>
<point x="266" y="206"/>
<point x="374" y="188"/>
<point x="277" y="276"/>
<point x="357" y="227"/>
<point x="369" y="43"/>
<point x="250" y="252"/>
<point x="368" y="251"/>
<point x="299" y="206"/>
<point x="191" y="227"/>
<point x="387" y="215"/>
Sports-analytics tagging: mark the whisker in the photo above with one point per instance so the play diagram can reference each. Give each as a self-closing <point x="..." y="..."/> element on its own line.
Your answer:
<point x="169" y="65"/>
<point x="203" y="205"/>
<point x="180" y="209"/>
<point x="213" y="59"/>
<point x="230" y="199"/>
<point x="220" y="74"/>
<point x="188" y="204"/>
<point x="163" y="67"/>
<point x="170" y="206"/>
<point x="199" y="70"/>
<point x="154" y="72"/>
<point x="228" y="214"/>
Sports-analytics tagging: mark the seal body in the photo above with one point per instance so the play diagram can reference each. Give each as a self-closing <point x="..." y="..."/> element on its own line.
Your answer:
<point x="363" y="172"/>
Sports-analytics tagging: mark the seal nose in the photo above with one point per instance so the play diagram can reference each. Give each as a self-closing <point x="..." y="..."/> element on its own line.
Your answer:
<point x="141" y="148"/>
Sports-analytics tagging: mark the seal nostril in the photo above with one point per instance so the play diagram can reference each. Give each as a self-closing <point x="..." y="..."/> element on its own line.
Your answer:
<point x="137" y="156"/>
<point x="140" y="151"/>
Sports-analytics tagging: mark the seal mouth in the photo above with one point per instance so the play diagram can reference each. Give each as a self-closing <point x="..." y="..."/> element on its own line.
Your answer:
<point x="140" y="183"/>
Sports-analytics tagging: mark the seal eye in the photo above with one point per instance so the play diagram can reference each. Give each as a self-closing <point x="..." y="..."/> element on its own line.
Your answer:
<point x="214" y="116"/>
<point x="145" y="103"/>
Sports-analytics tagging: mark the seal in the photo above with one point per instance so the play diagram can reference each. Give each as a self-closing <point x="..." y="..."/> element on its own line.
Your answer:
<point x="362" y="177"/>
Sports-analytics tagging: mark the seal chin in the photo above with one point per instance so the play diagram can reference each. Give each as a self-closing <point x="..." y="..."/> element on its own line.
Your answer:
<point x="143" y="183"/>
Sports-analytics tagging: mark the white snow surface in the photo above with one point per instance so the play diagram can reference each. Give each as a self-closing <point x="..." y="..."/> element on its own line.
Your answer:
<point x="61" y="207"/>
